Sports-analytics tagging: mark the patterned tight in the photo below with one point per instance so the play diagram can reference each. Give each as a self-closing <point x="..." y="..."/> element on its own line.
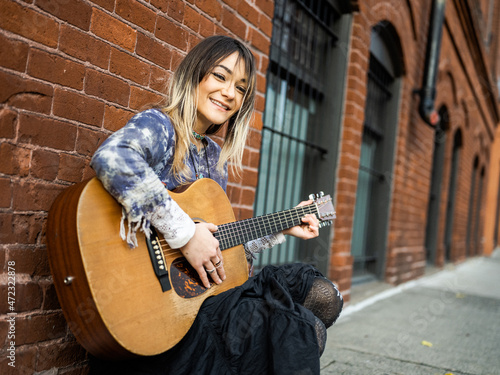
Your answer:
<point x="325" y="302"/>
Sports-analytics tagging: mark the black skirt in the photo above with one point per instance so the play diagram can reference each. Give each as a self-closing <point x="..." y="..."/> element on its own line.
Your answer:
<point x="258" y="328"/>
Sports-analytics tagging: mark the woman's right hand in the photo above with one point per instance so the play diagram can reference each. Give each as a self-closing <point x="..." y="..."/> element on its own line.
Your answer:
<point x="203" y="253"/>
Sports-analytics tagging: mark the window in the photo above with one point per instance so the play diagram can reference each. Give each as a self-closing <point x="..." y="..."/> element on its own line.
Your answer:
<point x="294" y="148"/>
<point x="373" y="195"/>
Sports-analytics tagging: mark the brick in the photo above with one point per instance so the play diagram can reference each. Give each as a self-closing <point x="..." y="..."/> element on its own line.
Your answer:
<point x="176" y="10"/>
<point x="44" y="164"/>
<point x="28" y="297"/>
<point x="250" y="177"/>
<point x="107" y="87"/>
<point x="27" y="228"/>
<point x="5" y="192"/>
<point x="254" y="139"/>
<point x="136" y="13"/>
<point x="249" y="13"/>
<point x="113" y="30"/>
<point x="33" y="196"/>
<point x="267" y="7"/>
<point x="25" y="93"/>
<point x="130" y="67"/>
<point x="192" y="19"/>
<point x="233" y="3"/>
<point x="141" y="99"/>
<point x="26" y="358"/>
<point x="74" y="106"/>
<point x="106" y="4"/>
<point x="176" y="59"/>
<point x="30" y="261"/>
<point x="159" y="79"/>
<point x="259" y="41"/>
<point x="76" y="12"/>
<point x="13" y="54"/>
<point x="28" y="23"/>
<point x="15" y="159"/>
<point x="154" y="51"/>
<point x="50" y="300"/>
<point x="207" y="27"/>
<point x="88" y="141"/>
<point x="56" y="69"/>
<point x="42" y="131"/>
<point x="211" y="7"/>
<point x="247" y="197"/>
<point x="84" y="47"/>
<point x="88" y="172"/>
<point x="266" y="25"/>
<point x="35" y="328"/>
<point x="60" y="355"/>
<point x="71" y="168"/>
<point x="161" y="5"/>
<point x="8" y="121"/>
<point x="169" y="32"/>
<point x="115" y="118"/>
<point x="234" y="23"/>
<point x="6" y="233"/>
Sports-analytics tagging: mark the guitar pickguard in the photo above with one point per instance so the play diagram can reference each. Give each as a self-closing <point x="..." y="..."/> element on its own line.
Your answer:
<point x="185" y="279"/>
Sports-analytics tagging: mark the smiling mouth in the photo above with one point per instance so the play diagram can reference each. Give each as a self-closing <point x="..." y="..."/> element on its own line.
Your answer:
<point x="219" y="104"/>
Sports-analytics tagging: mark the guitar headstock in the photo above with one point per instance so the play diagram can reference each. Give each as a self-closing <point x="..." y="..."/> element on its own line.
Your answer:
<point x="326" y="211"/>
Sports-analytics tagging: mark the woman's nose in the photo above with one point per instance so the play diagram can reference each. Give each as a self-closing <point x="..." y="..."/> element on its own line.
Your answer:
<point x="228" y="90"/>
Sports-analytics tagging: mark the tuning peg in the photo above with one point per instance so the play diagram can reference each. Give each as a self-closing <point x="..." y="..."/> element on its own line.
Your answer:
<point x="325" y="223"/>
<point x="312" y="197"/>
<point x="321" y="194"/>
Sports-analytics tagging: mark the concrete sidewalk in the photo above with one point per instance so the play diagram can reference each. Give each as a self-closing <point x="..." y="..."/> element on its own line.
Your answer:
<point x="445" y="323"/>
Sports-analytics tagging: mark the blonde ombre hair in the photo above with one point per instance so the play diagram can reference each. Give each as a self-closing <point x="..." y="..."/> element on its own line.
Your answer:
<point x="182" y="101"/>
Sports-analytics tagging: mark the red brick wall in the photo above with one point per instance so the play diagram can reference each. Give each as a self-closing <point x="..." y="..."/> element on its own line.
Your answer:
<point x="72" y="72"/>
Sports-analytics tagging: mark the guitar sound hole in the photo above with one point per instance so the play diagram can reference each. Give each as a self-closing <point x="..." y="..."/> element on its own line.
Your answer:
<point x="185" y="280"/>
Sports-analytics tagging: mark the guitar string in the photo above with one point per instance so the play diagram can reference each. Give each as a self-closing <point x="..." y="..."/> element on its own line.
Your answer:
<point x="236" y="232"/>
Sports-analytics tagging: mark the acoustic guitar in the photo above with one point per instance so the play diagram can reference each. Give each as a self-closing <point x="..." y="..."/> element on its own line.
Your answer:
<point x="121" y="302"/>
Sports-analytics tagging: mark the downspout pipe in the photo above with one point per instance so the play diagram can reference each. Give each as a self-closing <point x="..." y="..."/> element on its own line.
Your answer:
<point x="428" y="91"/>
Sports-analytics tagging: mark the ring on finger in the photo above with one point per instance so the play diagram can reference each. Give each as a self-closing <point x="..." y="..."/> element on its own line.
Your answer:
<point x="218" y="264"/>
<point x="210" y="271"/>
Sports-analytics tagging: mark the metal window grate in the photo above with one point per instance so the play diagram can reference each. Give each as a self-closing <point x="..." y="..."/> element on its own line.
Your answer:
<point x="302" y="38"/>
<point x="370" y="169"/>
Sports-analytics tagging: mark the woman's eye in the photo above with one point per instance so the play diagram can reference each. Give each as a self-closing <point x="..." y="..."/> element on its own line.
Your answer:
<point x="219" y="76"/>
<point x="241" y="89"/>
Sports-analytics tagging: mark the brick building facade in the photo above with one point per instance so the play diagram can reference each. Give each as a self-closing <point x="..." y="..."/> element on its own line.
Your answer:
<point x="72" y="72"/>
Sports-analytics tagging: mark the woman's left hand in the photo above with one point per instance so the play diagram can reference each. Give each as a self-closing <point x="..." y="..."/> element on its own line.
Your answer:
<point x="309" y="227"/>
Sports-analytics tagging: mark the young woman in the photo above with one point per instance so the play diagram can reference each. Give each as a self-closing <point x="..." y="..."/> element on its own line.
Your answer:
<point x="276" y="322"/>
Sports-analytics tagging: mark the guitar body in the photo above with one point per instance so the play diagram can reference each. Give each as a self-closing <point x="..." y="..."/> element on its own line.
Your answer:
<point x="109" y="293"/>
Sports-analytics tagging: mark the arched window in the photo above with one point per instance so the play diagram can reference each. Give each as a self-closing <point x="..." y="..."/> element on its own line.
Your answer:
<point x="452" y="190"/>
<point x="433" y="208"/>
<point x="373" y="193"/>
<point x="473" y="206"/>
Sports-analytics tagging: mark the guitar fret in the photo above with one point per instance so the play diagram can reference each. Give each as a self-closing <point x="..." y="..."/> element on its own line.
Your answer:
<point x="241" y="232"/>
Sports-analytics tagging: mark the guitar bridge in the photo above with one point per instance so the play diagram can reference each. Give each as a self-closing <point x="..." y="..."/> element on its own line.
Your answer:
<point x="158" y="260"/>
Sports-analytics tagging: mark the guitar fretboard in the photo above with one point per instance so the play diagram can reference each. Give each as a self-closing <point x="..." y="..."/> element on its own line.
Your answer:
<point x="240" y="232"/>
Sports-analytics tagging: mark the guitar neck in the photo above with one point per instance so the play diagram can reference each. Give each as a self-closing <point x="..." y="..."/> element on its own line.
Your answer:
<point x="240" y="232"/>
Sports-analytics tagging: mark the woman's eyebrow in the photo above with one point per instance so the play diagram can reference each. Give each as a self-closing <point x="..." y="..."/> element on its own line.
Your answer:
<point x="229" y="71"/>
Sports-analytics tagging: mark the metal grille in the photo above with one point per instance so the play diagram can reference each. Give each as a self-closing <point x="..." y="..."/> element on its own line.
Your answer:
<point x="301" y="41"/>
<point x="370" y="173"/>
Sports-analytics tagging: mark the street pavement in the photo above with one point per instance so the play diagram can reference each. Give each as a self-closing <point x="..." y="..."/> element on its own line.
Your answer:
<point x="444" y="323"/>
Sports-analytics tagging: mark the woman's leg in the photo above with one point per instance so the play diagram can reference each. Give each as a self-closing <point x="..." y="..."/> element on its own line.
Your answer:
<point x="325" y="302"/>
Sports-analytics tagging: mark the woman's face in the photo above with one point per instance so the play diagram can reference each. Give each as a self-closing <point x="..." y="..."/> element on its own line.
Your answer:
<point x="221" y="92"/>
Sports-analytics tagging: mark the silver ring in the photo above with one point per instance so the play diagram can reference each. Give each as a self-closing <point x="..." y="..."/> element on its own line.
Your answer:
<point x="210" y="271"/>
<point x="218" y="264"/>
